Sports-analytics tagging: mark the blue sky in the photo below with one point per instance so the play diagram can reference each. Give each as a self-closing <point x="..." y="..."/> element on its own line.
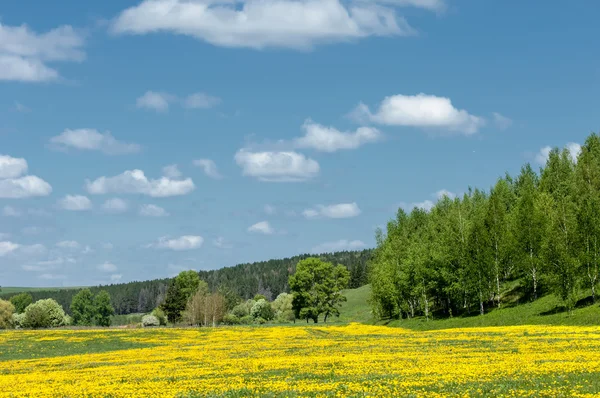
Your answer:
<point x="141" y="138"/>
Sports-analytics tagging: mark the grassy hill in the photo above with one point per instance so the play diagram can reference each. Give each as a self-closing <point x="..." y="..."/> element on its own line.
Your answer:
<point x="545" y="311"/>
<point x="15" y="289"/>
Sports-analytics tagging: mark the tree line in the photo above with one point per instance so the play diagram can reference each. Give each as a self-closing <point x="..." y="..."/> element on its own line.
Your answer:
<point x="266" y="278"/>
<point x="542" y="228"/>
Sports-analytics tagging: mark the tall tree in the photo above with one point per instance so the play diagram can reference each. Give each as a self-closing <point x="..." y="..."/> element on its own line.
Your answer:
<point x="83" y="309"/>
<point x="103" y="308"/>
<point x="181" y="289"/>
<point x="21" y="301"/>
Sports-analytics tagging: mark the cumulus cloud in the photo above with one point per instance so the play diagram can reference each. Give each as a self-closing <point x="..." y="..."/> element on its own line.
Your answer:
<point x="329" y="139"/>
<point x="221" y="243"/>
<point x="186" y="242"/>
<point x="209" y="167"/>
<point x="260" y="24"/>
<point x="200" y="101"/>
<point x="501" y="121"/>
<point x="155" y="101"/>
<point x="544" y="153"/>
<point x="161" y="101"/>
<point x="262" y="227"/>
<point x="107" y="267"/>
<point x="432" y="5"/>
<point x="92" y="140"/>
<point x="68" y="244"/>
<point x="171" y="171"/>
<point x="339" y="245"/>
<point x="24" y="54"/>
<point x="9" y="211"/>
<point x="153" y="211"/>
<point x="7" y="247"/>
<point x="341" y="210"/>
<point x="444" y="192"/>
<point x="75" y="203"/>
<point x="136" y="182"/>
<point x="277" y="166"/>
<point x="115" y="205"/>
<point x="13" y="185"/>
<point x="421" y="110"/>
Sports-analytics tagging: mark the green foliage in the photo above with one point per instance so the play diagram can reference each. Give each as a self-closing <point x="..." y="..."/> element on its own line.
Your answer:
<point x="454" y="259"/>
<point x="230" y="319"/>
<point x="317" y="288"/>
<point x="160" y="315"/>
<point x="150" y="320"/>
<point x="7" y="309"/>
<point x="103" y="309"/>
<point x="243" y="309"/>
<point x="259" y="297"/>
<point x="83" y="309"/>
<point x="17" y="320"/>
<point x="180" y="290"/>
<point x="44" y="314"/>
<point x="282" y="306"/>
<point x="262" y="309"/>
<point x="21" y="301"/>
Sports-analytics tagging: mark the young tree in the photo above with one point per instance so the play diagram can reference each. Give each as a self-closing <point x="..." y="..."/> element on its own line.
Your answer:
<point x="180" y="290"/>
<point x="479" y="258"/>
<point x="83" y="309"/>
<point x="103" y="308"/>
<point x="21" y="301"/>
<point x="316" y="286"/>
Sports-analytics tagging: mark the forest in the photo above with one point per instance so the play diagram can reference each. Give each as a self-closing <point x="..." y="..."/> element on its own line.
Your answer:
<point x="244" y="281"/>
<point x="540" y="229"/>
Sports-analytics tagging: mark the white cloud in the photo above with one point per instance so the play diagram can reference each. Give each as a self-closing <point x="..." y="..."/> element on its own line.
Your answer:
<point x="116" y="277"/>
<point x="24" y="53"/>
<point x="444" y="192"/>
<point x="262" y="227"/>
<point x="200" y="101"/>
<point x="336" y="246"/>
<point x="33" y="230"/>
<point x="574" y="150"/>
<point x="501" y="121"/>
<point x="13" y="185"/>
<point x="9" y="211"/>
<point x="151" y="210"/>
<point x="155" y="101"/>
<point x="171" y="171"/>
<point x="107" y="267"/>
<point x="277" y="166"/>
<point x="209" y="167"/>
<point x="329" y="139"/>
<point x="75" y="203"/>
<point x="186" y="242"/>
<point x="270" y="210"/>
<point x="341" y="210"/>
<point x="7" y="247"/>
<point x="115" y="205"/>
<point x="260" y="24"/>
<point x="12" y="167"/>
<point x="421" y="110"/>
<point x="68" y="244"/>
<point x="221" y="243"/>
<point x="432" y="5"/>
<point x="135" y="182"/>
<point x="542" y="156"/>
<point x="92" y="140"/>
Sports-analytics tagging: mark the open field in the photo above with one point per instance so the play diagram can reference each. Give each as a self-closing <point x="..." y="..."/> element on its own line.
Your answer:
<point x="351" y="360"/>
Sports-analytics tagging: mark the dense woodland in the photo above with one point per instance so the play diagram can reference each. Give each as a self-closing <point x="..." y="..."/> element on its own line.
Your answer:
<point x="267" y="278"/>
<point x="540" y="228"/>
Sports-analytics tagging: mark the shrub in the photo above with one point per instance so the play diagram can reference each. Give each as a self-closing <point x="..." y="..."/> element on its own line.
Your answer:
<point x="150" y="320"/>
<point x="231" y="319"/>
<point x="44" y="314"/>
<point x="7" y="310"/>
<point x="17" y="320"/>
<point x="282" y="306"/>
<point x="160" y="315"/>
<point x="246" y="320"/>
<point x="21" y="301"/>
<point x="262" y="309"/>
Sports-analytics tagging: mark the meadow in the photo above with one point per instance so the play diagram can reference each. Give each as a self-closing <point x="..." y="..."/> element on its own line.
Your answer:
<point x="274" y="361"/>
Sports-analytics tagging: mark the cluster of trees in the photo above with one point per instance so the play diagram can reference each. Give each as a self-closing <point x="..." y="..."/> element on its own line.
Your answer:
<point x="88" y="310"/>
<point x="543" y="229"/>
<point x="267" y="278"/>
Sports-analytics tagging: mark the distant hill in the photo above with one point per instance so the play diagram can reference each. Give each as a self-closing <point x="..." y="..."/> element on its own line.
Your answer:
<point x="246" y="280"/>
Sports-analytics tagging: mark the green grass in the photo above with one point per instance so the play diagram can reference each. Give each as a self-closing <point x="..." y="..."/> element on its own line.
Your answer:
<point x="547" y="310"/>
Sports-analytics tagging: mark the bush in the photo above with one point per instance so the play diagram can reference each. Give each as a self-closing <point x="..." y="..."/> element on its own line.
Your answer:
<point x="282" y="306"/>
<point x="262" y="309"/>
<point x="243" y="309"/>
<point x="231" y="319"/>
<point x="160" y="315"/>
<point x="150" y="320"/>
<point x="21" y="301"/>
<point x="44" y="314"/>
<point x="246" y="320"/>
<point x="17" y="320"/>
<point x="7" y="310"/>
